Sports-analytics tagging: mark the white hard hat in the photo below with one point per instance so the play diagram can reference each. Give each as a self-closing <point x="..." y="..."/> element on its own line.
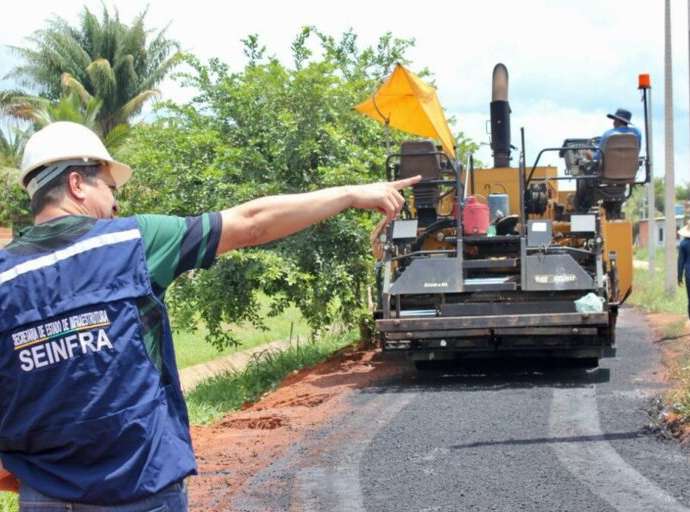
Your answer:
<point x="65" y="141"/>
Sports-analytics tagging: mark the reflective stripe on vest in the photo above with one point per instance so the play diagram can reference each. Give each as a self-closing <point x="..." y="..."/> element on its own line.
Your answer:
<point x="73" y="250"/>
<point x="84" y="413"/>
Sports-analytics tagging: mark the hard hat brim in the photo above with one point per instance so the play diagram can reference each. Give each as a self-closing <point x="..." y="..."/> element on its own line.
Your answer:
<point x="120" y="172"/>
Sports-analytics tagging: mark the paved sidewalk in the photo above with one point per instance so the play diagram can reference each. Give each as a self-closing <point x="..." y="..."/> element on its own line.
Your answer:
<point x="191" y="376"/>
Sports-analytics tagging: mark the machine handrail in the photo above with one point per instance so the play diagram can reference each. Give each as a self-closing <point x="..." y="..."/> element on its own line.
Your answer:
<point x="536" y="162"/>
<point x="423" y="253"/>
<point x="642" y="160"/>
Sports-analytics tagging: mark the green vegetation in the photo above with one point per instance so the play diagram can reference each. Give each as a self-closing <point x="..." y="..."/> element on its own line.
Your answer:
<point x="635" y="207"/>
<point x="641" y="254"/>
<point x="216" y="396"/>
<point x="649" y="294"/>
<point x="679" y="397"/>
<point x="8" y="502"/>
<point x="99" y="73"/>
<point x="11" y="147"/>
<point x="103" y="62"/>
<point x="269" y="129"/>
<point x="266" y="128"/>
<point x="190" y="348"/>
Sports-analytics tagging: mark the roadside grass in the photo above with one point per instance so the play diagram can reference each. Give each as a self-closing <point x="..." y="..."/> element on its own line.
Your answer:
<point x="191" y="348"/>
<point x="679" y="397"/>
<point x="649" y="294"/>
<point x="228" y="392"/>
<point x="641" y="253"/>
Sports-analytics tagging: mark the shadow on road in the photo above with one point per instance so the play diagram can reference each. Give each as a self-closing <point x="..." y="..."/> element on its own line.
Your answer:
<point x="555" y="440"/>
<point x="490" y="375"/>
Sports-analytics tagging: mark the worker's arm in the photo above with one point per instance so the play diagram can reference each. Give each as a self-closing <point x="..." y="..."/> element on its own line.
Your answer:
<point x="270" y="218"/>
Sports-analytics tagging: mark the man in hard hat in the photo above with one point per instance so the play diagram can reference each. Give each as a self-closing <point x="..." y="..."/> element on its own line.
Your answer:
<point x="91" y="409"/>
<point x="621" y="124"/>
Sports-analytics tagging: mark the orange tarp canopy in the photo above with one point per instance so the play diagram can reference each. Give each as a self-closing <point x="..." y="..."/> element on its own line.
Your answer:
<point x="405" y="102"/>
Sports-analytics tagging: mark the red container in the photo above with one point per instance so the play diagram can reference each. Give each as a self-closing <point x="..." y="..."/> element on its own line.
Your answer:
<point x="475" y="217"/>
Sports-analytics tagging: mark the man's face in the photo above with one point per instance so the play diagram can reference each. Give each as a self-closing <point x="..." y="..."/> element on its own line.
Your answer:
<point x="100" y="200"/>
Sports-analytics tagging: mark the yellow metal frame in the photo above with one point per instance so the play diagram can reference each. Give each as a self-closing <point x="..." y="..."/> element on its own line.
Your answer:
<point x="616" y="234"/>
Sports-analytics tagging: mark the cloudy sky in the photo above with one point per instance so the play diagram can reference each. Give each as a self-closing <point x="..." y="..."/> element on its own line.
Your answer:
<point x="569" y="62"/>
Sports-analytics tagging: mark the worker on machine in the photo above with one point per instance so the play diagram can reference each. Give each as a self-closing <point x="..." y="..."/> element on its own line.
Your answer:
<point x="91" y="410"/>
<point x="621" y="124"/>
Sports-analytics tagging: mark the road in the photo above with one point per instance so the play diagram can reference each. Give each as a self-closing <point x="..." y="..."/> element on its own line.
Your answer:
<point x="495" y="439"/>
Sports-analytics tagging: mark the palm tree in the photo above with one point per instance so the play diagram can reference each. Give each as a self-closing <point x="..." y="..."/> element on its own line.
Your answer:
<point x="12" y="143"/>
<point x="40" y="112"/>
<point x="104" y="60"/>
<point x="16" y="104"/>
<point x="68" y="108"/>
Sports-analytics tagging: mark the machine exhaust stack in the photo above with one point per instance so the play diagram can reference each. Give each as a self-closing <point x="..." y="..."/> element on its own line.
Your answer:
<point x="500" y="117"/>
<point x="545" y="277"/>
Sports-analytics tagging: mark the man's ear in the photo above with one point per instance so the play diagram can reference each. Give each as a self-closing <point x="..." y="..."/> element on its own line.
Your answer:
<point x="75" y="184"/>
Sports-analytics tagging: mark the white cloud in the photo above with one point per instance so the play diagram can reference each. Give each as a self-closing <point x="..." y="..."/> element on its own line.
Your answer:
<point x="569" y="62"/>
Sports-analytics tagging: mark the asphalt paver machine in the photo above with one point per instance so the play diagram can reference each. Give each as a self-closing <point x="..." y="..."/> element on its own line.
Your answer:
<point x="501" y="261"/>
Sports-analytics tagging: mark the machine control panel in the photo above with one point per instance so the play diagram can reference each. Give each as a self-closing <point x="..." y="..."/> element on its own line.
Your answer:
<point x="575" y="152"/>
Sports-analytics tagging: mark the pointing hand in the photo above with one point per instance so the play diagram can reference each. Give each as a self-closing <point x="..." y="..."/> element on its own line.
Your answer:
<point x="383" y="196"/>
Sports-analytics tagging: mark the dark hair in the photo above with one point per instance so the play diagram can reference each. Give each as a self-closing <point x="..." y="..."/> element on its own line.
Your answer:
<point x="54" y="191"/>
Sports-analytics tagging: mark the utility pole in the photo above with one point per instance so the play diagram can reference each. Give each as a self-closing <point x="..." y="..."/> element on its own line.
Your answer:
<point x="651" y="207"/>
<point x="669" y="207"/>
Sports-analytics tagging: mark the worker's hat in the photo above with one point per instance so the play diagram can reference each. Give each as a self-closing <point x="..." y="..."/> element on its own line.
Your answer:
<point x="685" y="231"/>
<point x="62" y="145"/>
<point x="621" y="115"/>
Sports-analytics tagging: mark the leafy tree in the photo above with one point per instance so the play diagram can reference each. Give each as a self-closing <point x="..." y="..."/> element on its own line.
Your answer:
<point x="99" y="73"/>
<point x="659" y="195"/>
<point x="636" y="206"/>
<point x="42" y="111"/>
<point x="101" y="61"/>
<point x="12" y="146"/>
<point x="14" y="204"/>
<point x="264" y="130"/>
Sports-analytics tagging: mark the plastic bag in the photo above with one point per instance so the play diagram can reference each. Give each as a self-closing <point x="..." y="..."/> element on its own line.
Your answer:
<point x="590" y="303"/>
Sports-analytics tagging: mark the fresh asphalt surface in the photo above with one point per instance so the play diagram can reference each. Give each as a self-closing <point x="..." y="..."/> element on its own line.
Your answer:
<point x="545" y="438"/>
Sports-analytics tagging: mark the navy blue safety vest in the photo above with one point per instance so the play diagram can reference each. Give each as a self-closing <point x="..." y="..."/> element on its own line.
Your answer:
<point x="85" y="415"/>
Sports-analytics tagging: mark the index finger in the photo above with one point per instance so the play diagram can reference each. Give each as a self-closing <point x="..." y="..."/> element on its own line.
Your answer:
<point x="407" y="182"/>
